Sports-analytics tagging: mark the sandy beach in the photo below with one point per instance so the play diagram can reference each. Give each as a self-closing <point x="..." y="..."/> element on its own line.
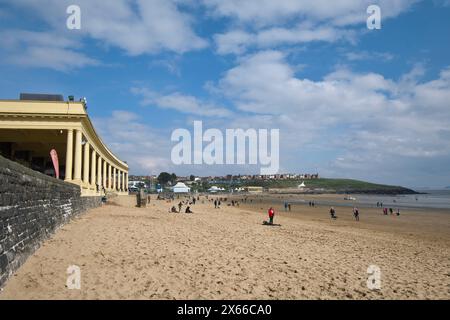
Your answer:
<point x="126" y="252"/>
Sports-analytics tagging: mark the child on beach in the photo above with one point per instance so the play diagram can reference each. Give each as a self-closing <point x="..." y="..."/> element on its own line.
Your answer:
<point x="271" y="215"/>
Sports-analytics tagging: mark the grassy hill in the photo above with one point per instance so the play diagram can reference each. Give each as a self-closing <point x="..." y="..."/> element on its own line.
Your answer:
<point x="332" y="185"/>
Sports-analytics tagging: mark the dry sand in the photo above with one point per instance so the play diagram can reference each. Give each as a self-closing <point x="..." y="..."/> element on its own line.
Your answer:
<point x="131" y="253"/>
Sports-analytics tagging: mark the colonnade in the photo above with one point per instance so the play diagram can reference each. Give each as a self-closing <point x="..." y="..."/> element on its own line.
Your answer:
<point x="86" y="167"/>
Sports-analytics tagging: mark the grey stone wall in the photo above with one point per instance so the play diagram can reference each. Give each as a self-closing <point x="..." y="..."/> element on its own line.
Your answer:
<point x="32" y="207"/>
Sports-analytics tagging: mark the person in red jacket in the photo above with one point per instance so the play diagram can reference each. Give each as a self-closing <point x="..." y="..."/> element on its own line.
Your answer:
<point x="271" y="215"/>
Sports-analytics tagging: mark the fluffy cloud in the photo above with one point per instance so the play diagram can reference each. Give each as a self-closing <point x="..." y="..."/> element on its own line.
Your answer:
<point x="40" y="49"/>
<point x="238" y="41"/>
<point x="181" y="103"/>
<point x="340" y="13"/>
<point x="146" y="150"/>
<point x="269" y="24"/>
<point x="137" y="27"/>
<point x="366" y="119"/>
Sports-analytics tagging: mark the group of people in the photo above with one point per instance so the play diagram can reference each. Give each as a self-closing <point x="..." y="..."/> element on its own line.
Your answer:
<point x="287" y="206"/>
<point x="187" y="202"/>
<point x="334" y="216"/>
<point x="391" y="211"/>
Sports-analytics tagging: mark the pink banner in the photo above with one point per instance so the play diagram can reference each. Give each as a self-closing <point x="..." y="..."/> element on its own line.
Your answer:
<point x="54" y="156"/>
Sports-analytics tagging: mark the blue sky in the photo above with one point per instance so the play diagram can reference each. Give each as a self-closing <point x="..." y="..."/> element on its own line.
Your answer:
<point x="349" y="102"/>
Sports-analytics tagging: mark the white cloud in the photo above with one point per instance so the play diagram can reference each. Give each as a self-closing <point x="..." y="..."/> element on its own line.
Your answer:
<point x="181" y="103"/>
<point x="137" y="27"/>
<point x="268" y="24"/>
<point x="39" y="49"/>
<point x="238" y="41"/>
<point x="364" y="118"/>
<point x="268" y="12"/>
<point x="366" y="55"/>
<point x="146" y="150"/>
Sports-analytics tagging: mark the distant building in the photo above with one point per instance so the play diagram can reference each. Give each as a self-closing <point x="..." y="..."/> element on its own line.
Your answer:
<point x="180" y="187"/>
<point x="251" y="189"/>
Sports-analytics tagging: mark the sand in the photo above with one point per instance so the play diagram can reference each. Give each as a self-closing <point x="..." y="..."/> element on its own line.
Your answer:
<point x="132" y="253"/>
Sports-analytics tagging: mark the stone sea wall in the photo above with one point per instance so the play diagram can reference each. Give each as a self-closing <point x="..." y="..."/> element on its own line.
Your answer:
<point x="32" y="207"/>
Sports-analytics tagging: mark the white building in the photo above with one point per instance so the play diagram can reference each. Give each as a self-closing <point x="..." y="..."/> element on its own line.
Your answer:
<point x="180" y="187"/>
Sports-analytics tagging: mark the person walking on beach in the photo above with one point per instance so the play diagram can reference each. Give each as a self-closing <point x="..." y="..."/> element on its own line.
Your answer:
<point x="289" y="207"/>
<point x="391" y="211"/>
<point x="356" y="213"/>
<point x="215" y="204"/>
<point x="385" y="211"/>
<point x="180" y="205"/>
<point x="333" y="213"/>
<point x="271" y="215"/>
<point x="398" y="212"/>
<point x="285" y="206"/>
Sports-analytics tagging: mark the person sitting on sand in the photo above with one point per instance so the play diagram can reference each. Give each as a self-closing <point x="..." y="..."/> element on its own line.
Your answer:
<point x="271" y="215"/>
<point x="188" y="210"/>
<point x="173" y="210"/>
<point x="333" y="213"/>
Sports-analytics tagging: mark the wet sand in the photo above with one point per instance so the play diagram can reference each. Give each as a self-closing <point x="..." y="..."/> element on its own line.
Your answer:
<point x="132" y="253"/>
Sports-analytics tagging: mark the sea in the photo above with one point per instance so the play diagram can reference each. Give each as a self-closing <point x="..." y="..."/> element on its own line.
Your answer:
<point x="436" y="199"/>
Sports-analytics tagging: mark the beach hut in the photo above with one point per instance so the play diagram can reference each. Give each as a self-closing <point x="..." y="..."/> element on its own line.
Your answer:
<point x="180" y="187"/>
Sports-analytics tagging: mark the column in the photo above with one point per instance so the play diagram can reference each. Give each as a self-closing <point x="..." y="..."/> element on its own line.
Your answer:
<point x="123" y="181"/>
<point x="78" y="152"/>
<point x="93" y="168"/>
<point x="126" y="185"/>
<point x="69" y="155"/>
<point x="86" y="164"/>
<point x="99" y="172"/>
<point x="109" y="177"/>
<point x="104" y="174"/>
<point x="114" y="179"/>
<point x="119" y="180"/>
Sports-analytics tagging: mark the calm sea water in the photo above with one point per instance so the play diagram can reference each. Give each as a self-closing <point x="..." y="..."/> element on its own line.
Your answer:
<point x="437" y="199"/>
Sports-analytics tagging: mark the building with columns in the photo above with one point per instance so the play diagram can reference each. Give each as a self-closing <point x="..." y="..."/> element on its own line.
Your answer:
<point x="30" y="129"/>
